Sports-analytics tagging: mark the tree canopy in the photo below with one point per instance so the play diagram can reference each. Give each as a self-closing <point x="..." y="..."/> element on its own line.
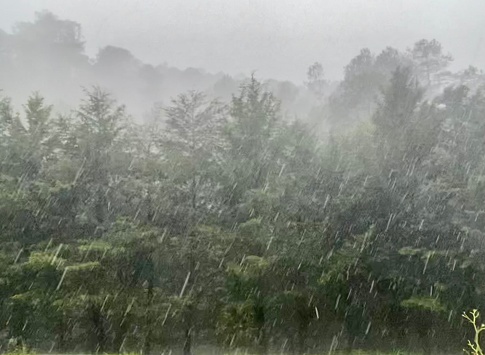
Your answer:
<point x="227" y="223"/>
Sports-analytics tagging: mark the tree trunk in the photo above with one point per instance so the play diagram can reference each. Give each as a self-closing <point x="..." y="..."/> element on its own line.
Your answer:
<point x="99" y="336"/>
<point x="120" y="336"/>
<point x="263" y="341"/>
<point x="63" y="330"/>
<point x="350" y="344"/>
<point x="302" y="334"/>
<point x="147" y="346"/>
<point x="188" y="341"/>
<point x="262" y="336"/>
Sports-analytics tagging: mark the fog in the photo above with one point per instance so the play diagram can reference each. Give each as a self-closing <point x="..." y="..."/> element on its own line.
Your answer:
<point x="242" y="177"/>
<point x="278" y="38"/>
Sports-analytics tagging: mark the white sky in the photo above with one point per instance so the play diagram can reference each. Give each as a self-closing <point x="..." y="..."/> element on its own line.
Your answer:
<point x="277" y="38"/>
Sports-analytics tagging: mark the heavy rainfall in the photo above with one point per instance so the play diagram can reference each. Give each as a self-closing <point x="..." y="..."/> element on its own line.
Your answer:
<point x="318" y="188"/>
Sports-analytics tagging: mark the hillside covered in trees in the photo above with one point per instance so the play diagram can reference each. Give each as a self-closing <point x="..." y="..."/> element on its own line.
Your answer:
<point x="261" y="216"/>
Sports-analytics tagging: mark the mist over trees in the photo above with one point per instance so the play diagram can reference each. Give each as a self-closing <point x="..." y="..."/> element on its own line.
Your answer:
<point x="234" y="213"/>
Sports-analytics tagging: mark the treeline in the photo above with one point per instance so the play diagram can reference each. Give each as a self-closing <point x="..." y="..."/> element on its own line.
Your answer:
<point x="48" y="55"/>
<point x="228" y="226"/>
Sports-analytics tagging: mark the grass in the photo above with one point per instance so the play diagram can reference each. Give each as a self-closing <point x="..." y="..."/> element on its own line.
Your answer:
<point x="24" y="351"/>
<point x="355" y="352"/>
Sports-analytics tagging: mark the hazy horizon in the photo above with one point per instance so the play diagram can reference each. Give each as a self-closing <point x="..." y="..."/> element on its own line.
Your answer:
<point x="277" y="39"/>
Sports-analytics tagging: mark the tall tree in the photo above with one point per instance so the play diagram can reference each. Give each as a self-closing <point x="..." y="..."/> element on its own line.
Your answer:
<point x="429" y="58"/>
<point x="316" y="80"/>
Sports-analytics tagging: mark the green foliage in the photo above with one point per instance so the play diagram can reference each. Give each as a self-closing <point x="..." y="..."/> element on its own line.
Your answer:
<point x="427" y="303"/>
<point x="227" y="225"/>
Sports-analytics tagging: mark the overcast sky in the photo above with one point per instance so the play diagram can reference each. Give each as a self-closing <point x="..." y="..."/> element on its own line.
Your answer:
<point x="278" y="38"/>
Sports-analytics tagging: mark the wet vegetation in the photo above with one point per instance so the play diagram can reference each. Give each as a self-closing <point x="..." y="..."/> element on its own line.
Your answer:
<point x="231" y="223"/>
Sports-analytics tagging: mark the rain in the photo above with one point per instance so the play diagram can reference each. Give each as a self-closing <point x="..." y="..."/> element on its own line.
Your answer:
<point x="242" y="177"/>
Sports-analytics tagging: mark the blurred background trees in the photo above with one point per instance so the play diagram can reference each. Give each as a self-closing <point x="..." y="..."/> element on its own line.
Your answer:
<point x="231" y="223"/>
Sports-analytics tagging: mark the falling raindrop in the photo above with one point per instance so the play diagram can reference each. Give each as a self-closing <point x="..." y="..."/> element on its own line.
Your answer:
<point x="185" y="285"/>
<point x="368" y="328"/>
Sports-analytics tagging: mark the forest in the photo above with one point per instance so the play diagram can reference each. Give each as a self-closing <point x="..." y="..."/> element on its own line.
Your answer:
<point x="238" y="214"/>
